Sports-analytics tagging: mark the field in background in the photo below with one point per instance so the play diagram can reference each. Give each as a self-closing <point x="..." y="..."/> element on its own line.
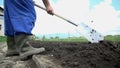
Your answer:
<point x="70" y="39"/>
<point x="115" y="38"/>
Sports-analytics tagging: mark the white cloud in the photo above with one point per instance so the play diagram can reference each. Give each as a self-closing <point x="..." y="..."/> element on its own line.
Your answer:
<point x="1" y="6"/>
<point x="74" y="10"/>
<point x="105" y="17"/>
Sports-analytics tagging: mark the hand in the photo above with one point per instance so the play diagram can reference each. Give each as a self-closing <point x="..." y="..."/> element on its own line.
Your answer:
<point x="50" y="10"/>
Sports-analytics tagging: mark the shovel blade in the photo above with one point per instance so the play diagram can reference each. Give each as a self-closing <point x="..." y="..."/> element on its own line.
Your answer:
<point x="90" y="34"/>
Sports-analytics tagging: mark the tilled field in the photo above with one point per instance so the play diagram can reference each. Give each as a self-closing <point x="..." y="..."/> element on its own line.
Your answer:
<point x="83" y="55"/>
<point x="75" y="55"/>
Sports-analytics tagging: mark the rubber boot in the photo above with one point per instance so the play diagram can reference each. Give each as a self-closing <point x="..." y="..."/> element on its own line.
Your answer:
<point x="25" y="48"/>
<point x="11" y="48"/>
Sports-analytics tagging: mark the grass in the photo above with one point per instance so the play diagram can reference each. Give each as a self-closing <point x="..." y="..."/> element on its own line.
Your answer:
<point x="70" y="39"/>
<point x="3" y="39"/>
<point x="115" y="38"/>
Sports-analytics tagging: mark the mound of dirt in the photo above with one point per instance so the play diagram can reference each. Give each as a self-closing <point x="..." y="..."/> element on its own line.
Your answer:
<point x="83" y="55"/>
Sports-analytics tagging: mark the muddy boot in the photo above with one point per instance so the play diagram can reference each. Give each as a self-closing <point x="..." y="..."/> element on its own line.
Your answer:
<point x="29" y="51"/>
<point x="11" y="51"/>
<point x="25" y="48"/>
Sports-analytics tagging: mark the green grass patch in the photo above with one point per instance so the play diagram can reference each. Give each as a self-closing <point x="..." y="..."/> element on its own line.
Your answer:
<point x="115" y="38"/>
<point x="3" y="38"/>
<point x="70" y="39"/>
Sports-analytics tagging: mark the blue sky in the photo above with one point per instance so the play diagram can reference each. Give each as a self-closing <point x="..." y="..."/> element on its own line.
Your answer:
<point x="1" y="2"/>
<point x="94" y="2"/>
<point x="116" y="4"/>
<point x="113" y="12"/>
<point x="55" y="1"/>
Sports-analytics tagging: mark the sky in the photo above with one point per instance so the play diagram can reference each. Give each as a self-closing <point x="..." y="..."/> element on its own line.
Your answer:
<point x="1" y="2"/>
<point x="104" y="14"/>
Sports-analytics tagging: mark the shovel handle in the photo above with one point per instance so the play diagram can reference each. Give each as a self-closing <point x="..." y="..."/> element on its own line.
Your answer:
<point x="57" y="15"/>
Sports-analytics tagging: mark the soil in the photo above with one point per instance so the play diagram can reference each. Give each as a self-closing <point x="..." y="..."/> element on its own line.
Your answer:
<point x="68" y="55"/>
<point x="83" y="55"/>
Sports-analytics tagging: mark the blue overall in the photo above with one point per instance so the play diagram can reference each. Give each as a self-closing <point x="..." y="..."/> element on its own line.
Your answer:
<point x="19" y="17"/>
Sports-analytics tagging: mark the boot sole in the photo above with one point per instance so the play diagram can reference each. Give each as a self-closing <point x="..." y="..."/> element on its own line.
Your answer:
<point x="30" y="53"/>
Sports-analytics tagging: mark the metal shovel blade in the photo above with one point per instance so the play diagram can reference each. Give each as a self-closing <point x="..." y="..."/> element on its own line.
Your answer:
<point x="90" y="34"/>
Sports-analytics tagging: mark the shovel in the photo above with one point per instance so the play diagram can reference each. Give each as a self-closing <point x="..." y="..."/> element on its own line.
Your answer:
<point x="90" y="34"/>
